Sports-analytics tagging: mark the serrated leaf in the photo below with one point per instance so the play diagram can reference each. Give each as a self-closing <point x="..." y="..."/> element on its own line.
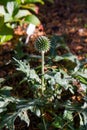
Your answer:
<point x="21" y="110"/>
<point x="50" y="79"/>
<point x="32" y="19"/>
<point x="34" y="76"/>
<point x="62" y="81"/>
<point x="24" y="67"/>
<point x="61" y="78"/>
<point x="5" y="90"/>
<point x="84" y="114"/>
<point x="82" y="73"/>
<point x="3" y="105"/>
<point x="69" y="61"/>
<point x="23" y="116"/>
<point x="8" y="120"/>
<point x="82" y="76"/>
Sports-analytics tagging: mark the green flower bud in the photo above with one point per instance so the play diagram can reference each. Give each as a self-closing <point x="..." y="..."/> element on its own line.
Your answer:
<point x="42" y="44"/>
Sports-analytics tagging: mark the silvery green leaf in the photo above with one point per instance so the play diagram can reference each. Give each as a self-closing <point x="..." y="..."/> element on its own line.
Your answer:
<point x="58" y="58"/>
<point x="71" y="89"/>
<point x="82" y="73"/>
<point x="30" y="74"/>
<point x="23" y="116"/>
<point x="23" y="66"/>
<point x="38" y="112"/>
<point x="34" y="76"/>
<point x="46" y="76"/>
<point x="84" y="114"/>
<point x="5" y="90"/>
<point x="84" y="87"/>
<point x="8" y="121"/>
<point x="71" y="62"/>
<point x="2" y="110"/>
<point x="61" y="81"/>
<point x="3" y="104"/>
<point x="50" y="79"/>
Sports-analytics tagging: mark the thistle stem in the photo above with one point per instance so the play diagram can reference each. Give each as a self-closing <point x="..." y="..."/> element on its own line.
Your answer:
<point x="42" y="72"/>
<point x="44" y="123"/>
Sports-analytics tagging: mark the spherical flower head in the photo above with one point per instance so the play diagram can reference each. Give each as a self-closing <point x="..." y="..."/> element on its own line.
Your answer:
<point x="42" y="44"/>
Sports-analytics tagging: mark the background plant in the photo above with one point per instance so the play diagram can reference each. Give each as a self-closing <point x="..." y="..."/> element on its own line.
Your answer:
<point x="16" y="12"/>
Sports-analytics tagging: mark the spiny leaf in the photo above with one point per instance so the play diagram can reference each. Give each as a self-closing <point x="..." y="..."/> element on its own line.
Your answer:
<point x="30" y="74"/>
<point x="24" y="116"/>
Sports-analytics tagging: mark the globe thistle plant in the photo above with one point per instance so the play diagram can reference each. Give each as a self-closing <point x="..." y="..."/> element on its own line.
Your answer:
<point x="42" y="45"/>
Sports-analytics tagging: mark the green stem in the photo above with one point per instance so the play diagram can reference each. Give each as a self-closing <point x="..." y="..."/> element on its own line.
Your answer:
<point x="42" y="72"/>
<point x="44" y="123"/>
<point x="45" y="128"/>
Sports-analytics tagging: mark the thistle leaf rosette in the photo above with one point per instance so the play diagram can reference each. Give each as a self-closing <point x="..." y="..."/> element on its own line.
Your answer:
<point x="42" y="44"/>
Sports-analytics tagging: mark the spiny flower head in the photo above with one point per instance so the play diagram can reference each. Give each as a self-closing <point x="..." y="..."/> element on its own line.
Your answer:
<point x="42" y="44"/>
